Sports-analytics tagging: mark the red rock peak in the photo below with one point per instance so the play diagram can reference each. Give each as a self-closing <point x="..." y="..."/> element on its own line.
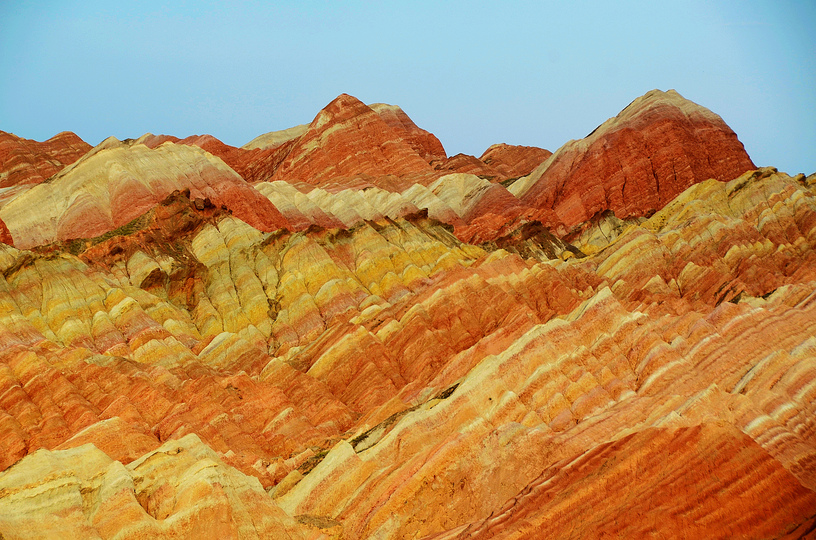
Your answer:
<point x="636" y="162"/>
<point x="346" y="139"/>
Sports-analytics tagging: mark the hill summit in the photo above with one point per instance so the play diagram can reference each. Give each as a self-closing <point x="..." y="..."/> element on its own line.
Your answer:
<point x="337" y="330"/>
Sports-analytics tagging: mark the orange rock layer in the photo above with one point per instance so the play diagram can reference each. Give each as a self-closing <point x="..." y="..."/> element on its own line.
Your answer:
<point x="24" y="161"/>
<point x="352" y="368"/>
<point x="637" y="162"/>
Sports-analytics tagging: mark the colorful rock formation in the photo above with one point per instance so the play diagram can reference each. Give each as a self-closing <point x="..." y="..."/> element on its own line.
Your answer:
<point x="513" y="162"/>
<point x="364" y="346"/>
<point x="349" y="139"/>
<point x="637" y="162"/>
<point x="253" y="165"/>
<point x="501" y="163"/>
<point x="117" y="182"/>
<point x="423" y="142"/>
<point x="23" y="161"/>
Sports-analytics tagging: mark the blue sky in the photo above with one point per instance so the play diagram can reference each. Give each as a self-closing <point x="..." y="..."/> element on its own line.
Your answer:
<point x="473" y="73"/>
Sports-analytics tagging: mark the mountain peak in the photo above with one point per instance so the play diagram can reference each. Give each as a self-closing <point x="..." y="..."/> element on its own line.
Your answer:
<point x="375" y="346"/>
<point x="24" y="161"/>
<point x="346" y="139"/>
<point x="637" y="161"/>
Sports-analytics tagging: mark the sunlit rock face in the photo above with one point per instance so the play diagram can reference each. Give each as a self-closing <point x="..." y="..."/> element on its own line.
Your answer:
<point x="423" y="142"/>
<point x="637" y="162"/>
<point x="181" y="489"/>
<point x="254" y="164"/>
<point x="117" y="182"/>
<point x="511" y="161"/>
<point x="375" y="347"/>
<point x="501" y="163"/>
<point x="347" y="139"/>
<point x="23" y="161"/>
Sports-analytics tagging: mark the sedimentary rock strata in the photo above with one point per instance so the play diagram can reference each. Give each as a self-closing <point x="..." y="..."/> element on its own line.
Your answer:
<point x="423" y="142"/>
<point x="348" y="139"/>
<point x="118" y="182"/>
<point x="366" y="346"/>
<point x="23" y="161"/>
<point x="637" y="162"/>
<point x="255" y="164"/>
<point x="512" y="161"/>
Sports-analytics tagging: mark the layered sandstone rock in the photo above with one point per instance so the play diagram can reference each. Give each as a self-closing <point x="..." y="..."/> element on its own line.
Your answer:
<point x="180" y="489"/>
<point x="423" y="142"/>
<point x="478" y="209"/>
<point x="501" y="163"/>
<point x="255" y="164"/>
<point x="347" y="139"/>
<point x="557" y="501"/>
<point x="467" y="164"/>
<point x="5" y="234"/>
<point x="512" y="161"/>
<point x="637" y="162"/>
<point x="23" y="161"/>
<point x="258" y="160"/>
<point x="275" y="139"/>
<point x="395" y="358"/>
<point x="119" y="182"/>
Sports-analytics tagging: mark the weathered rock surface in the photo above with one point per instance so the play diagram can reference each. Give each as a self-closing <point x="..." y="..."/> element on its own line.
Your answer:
<point x="347" y="139"/>
<point x="501" y="163"/>
<point x="181" y="489"/>
<point x="637" y="162"/>
<point x="742" y="503"/>
<point x="410" y="356"/>
<point x="423" y="142"/>
<point x="118" y="182"/>
<point x="253" y="165"/>
<point x="23" y="161"/>
<point x="276" y="138"/>
<point x="5" y="234"/>
<point x="512" y="161"/>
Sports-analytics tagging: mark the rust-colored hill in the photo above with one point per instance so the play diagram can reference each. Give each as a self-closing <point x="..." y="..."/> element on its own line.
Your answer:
<point x="117" y="182"/>
<point x="511" y="161"/>
<point x="637" y="162"/>
<point x="366" y="344"/>
<point x="347" y="139"/>
<point x="23" y="161"/>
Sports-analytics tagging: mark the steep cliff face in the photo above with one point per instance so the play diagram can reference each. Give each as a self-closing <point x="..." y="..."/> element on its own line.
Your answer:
<point x="364" y="359"/>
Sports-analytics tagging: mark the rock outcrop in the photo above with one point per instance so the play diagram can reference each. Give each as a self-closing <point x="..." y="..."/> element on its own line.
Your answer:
<point x="557" y="501"/>
<point x="256" y="164"/>
<point x="5" y="234"/>
<point x="423" y="142"/>
<point x="418" y="354"/>
<point x="181" y="489"/>
<point x="275" y="139"/>
<point x="501" y="163"/>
